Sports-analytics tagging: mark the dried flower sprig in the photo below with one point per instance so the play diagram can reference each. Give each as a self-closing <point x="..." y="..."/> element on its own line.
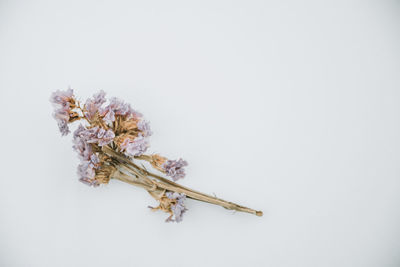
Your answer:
<point x="113" y="139"/>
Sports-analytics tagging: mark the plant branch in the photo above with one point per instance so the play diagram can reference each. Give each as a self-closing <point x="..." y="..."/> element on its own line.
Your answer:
<point x="166" y="184"/>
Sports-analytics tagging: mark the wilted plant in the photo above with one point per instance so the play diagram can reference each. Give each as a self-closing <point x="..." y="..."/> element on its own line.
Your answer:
<point x="110" y="142"/>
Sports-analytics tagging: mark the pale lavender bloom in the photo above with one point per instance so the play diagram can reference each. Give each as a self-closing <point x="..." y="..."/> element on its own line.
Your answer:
<point x="93" y="104"/>
<point x="63" y="127"/>
<point x="105" y="137"/>
<point x="89" y="160"/>
<point x="178" y="209"/>
<point x="144" y="126"/>
<point x="97" y="135"/>
<point x="94" y="159"/>
<point x="80" y="145"/>
<point x="79" y="130"/>
<point x="109" y="115"/>
<point x="118" y="107"/>
<point x="61" y="114"/>
<point x="135" y="114"/>
<point x="135" y="147"/>
<point x="99" y="98"/>
<point x="62" y="118"/>
<point x="87" y="170"/>
<point x="175" y="168"/>
<point x="60" y="100"/>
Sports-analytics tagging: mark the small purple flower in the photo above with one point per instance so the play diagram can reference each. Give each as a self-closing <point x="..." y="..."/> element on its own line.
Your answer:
<point x="175" y="168"/>
<point x="86" y="170"/>
<point x="93" y="104"/>
<point x="62" y="98"/>
<point x="63" y="127"/>
<point x="80" y="145"/>
<point x="144" y="126"/>
<point x="62" y="107"/>
<point x="109" y="115"/>
<point x="94" y="159"/>
<point x="97" y="135"/>
<point x="89" y="160"/>
<point x="118" y="107"/>
<point x="135" y="147"/>
<point x="178" y="209"/>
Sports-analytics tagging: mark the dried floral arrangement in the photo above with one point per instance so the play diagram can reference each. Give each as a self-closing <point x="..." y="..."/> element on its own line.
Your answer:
<point x="112" y="141"/>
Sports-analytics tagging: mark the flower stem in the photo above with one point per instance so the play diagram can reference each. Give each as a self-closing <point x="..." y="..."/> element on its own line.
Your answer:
<point x="161" y="183"/>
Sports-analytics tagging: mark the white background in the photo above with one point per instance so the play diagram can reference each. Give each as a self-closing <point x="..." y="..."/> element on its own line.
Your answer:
<point x="291" y="107"/>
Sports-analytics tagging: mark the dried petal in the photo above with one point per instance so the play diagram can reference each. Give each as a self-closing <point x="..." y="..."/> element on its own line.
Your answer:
<point x="90" y="161"/>
<point x="175" y="168"/>
<point x="135" y="147"/>
<point x="93" y="104"/>
<point x="98" y="136"/>
<point x="178" y="209"/>
<point x="63" y="127"/>
<point x="109" y="115"/>
<point x="144" y="126"/>
<point x="62" y="102"/>
<point x="118" y="107"/>
<point x="62" y="98"/>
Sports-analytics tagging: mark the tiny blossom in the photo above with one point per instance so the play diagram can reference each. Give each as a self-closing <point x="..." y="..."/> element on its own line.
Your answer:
<point x="178" y="209"/>
<point x="86" y="170"/>
<point x="135" y="147"/>
<point x="144" y="126"/>
<point x="62" y="97"/>
<point x="109" y="115"/>
<point x="63" y="127"/>
<point x="105" y="137"/>
<point x="61" y="102"/>
<point x="93" y="104"/>
<point x="89" y="160"/>
<point x="118" y="107"/>
<point x="135" y="114"/>
<point x="98" y="135"/>
<point x="95" y="159"/>
<point x="80" y="145"/>
<point x="174" y="168"/>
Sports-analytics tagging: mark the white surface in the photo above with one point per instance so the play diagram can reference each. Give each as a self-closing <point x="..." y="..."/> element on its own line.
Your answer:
<point x="288" y="107"/>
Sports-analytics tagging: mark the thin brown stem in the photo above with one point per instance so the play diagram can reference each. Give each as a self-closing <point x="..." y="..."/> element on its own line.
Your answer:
<point x="166" y="184"/>
<point x="128" y="179"/>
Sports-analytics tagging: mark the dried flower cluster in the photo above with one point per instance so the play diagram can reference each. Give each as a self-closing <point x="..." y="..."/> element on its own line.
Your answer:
<point x="110" y="138"/>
